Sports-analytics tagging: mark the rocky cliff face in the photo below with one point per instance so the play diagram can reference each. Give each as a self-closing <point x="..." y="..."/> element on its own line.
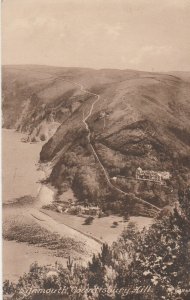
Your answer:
<point x="141" y="119"/>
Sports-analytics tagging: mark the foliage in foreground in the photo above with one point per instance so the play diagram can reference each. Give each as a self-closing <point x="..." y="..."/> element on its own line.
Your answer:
<point x="158" y="258"/>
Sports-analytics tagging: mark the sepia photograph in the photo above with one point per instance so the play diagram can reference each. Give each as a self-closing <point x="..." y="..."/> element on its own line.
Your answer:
<point x="95" y="144"/>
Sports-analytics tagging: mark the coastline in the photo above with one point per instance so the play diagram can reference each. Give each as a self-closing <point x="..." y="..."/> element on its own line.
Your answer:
<point x="22" y="179"/>
<point x="27" y="217"/>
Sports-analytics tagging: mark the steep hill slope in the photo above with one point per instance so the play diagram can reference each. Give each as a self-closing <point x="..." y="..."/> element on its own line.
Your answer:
<point x="140" y="119"/>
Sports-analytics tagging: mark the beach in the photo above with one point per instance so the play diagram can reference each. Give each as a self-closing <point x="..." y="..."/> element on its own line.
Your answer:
<point x="21" y="180"/>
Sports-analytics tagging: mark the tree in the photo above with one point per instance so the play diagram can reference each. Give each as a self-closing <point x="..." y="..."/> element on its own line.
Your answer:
<point x="88" y="220"/>
<point x="97" y="268"/>
<point x="115" y="224"/>
<point x="8" y="287"/>
<point x="161" y="259"/>
<point x="105" y="255"/>
<point x="96" y="272"/>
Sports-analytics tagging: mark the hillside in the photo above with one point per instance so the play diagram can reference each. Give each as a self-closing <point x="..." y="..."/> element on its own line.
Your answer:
<point x="141" y="119"/>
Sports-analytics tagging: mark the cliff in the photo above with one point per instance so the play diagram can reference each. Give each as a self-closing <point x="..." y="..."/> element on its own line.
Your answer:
<point x="139" y="119"/>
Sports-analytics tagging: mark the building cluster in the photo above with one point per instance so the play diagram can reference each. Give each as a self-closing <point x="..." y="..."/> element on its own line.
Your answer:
<point x="84" y="210"/>
<point x="149" y="175"/>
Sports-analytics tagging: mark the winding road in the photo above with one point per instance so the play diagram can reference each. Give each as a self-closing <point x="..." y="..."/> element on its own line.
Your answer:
<point x="84" y="120"/>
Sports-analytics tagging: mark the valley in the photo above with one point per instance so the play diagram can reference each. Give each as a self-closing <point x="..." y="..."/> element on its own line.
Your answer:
<point x="90" y="131"/>
<point x="109" y="123"/>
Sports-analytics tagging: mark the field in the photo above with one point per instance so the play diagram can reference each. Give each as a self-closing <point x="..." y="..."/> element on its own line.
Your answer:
<point x="101" y="228"/>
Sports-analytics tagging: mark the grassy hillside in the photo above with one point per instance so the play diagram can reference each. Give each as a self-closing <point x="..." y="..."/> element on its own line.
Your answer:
<point x="141" y="119"/>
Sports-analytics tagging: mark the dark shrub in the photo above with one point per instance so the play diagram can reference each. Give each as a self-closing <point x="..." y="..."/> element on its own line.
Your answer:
<point x="88" y="220"/>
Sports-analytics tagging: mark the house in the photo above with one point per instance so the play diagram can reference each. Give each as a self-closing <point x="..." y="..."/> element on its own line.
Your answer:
<point x="114" y="178"/>
<point x="91" y="210"/>
<point x="102" y="115"/>
<point x="159" y="177"/>
<point x="79" y="209"/>
<point x="59" y="209"/>
<point x="165" y="175"/>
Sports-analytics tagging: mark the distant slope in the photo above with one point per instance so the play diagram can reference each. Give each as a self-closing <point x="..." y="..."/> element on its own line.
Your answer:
<point x="141" y="119"/>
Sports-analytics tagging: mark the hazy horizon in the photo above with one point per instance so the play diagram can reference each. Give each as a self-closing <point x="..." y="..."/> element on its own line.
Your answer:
<point x="140" y="35"/>
<point x="83" y="67"/>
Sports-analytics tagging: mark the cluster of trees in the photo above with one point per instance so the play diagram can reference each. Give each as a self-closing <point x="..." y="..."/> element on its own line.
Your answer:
<point x="78" y="170"/>
<point x="152" y="264"/>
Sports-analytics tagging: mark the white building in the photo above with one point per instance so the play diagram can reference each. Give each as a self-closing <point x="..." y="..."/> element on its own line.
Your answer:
<point x="152" y="175"/>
